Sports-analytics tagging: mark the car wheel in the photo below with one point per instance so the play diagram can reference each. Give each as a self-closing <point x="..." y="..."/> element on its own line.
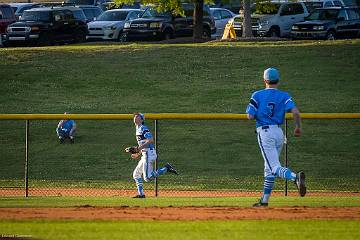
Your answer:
<point x="44" y="40"/>
<point x="167" y="35"/>
<point x="274" y="32"/>
<point x="122" y="37"/>
<point x="206" y="33"/>
<point x="80" y="36"/>
<point x="330" y="35"/>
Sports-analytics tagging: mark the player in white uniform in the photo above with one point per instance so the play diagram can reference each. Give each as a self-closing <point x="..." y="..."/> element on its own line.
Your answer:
<point x="268" y="108"/>
<point x="144" y="169"/>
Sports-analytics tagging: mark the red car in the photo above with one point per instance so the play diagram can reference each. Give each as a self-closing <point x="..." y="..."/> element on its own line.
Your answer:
<point x="7" y="17"/>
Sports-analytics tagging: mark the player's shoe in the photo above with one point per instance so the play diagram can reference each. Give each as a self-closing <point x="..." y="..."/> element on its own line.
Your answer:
<point x="260" y="204"/>
<point x="72" y="140"/>
<point x="139" y="196"/>
<point x="300" y="183"/>
<point x="171" y="168"/>
<point x="61" y="140"/>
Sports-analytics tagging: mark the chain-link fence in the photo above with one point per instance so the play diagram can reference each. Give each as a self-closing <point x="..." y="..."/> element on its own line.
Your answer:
<point x="213" y="157"/>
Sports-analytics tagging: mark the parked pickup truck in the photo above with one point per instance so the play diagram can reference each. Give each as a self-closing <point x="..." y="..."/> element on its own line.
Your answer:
<point x="329" y="23"/>
<point x="273" y="19"/>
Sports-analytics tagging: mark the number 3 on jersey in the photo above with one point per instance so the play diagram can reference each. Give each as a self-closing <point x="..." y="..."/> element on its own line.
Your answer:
<point x="271" y="107"/>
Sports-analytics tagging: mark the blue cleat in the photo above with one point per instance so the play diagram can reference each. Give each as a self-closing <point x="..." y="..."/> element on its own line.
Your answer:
<point x="139" y="196"/>
<point x="260" y="204"/>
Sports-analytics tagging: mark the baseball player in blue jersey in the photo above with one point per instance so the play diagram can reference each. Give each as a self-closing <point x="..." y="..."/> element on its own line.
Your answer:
<point x="66" y="129"/>
<point x="146" y="150"/>
<point x="268" y="108"/>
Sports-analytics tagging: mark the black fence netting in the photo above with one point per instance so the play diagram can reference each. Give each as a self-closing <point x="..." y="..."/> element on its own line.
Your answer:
<point x="213" y="158"/>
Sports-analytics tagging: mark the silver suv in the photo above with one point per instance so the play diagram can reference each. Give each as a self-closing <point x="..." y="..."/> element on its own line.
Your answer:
<point x="273" y="19"/>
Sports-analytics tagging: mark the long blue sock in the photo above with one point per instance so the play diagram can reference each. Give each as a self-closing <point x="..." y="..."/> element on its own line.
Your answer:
<point x="160" y="171"/>
<point x="139" y="186"/>
<point x="285" y="173"/>
<point x="269" y="183"/>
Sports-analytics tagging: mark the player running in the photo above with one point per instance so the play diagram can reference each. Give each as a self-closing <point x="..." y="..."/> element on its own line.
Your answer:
<point x="268" y="108"/>
<point x="144" y="169"/>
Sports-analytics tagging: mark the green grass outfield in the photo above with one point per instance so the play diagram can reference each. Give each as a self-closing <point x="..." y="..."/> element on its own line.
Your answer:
<point x="248" y="229"/>
<point x="322" y="76"/>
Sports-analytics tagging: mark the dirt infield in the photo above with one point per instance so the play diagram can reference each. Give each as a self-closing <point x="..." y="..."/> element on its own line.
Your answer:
<point x="181" y="213"/>
<point x="103" y="192"/>
<point x="171" y="213"/>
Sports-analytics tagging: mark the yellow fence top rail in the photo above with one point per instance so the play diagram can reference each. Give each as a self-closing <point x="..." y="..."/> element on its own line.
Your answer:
<point x="158" y="116"/>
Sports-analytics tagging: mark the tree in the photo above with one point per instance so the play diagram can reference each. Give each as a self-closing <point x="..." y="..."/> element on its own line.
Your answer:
<point x="198" y="20"/>
<point x="247" y="28"/>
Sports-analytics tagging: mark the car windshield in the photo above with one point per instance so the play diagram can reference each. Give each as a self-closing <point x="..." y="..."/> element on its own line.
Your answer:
<point x="36" y="16"/>
<point x="152" y="13"/>
<point x="79" y="14"/>
<point x="311" y="6"/>
<point x="265" y="8"/>
<point x="112" y="16"/>
<point x="323" y="14"/>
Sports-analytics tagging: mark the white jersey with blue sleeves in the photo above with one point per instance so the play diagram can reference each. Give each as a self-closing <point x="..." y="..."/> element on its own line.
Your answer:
<point x="142" y="133"/>
<point x="269" y="106"/>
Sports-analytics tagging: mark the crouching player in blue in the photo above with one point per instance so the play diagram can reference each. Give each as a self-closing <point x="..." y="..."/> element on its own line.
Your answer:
<point x="268" y="108"/>
<point x="146" y="150"/>
<point x="66" y="129"/>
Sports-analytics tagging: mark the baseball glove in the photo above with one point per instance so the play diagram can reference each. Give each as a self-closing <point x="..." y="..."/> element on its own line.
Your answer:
<point x="132" y="149"/>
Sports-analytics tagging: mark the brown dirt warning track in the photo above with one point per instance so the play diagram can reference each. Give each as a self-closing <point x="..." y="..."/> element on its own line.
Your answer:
<point x="171" y="213"/>
<point x="181" y="213"/>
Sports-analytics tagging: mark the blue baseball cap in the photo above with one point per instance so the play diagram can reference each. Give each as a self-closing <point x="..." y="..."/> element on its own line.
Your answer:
<point x="142" y="116"/>
<point x="272" y="75"/>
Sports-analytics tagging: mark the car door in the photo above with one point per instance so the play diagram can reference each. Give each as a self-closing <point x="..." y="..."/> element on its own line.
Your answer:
<point x="289" y="14"/>
<point x="2" y="22"/>
<point x="184" y="24"/>
<point x="218" y="23"/>
<point x="72" y="24"/>
<point x="286" y="19"/>
<point x="354" y="22"/>
<point x="60" y="28"/>
<point x="6" y="17"/>
<point x="343" y="24"/>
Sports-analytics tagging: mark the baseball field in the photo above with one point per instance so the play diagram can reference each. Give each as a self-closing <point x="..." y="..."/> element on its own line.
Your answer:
<point x="82" y="191"/>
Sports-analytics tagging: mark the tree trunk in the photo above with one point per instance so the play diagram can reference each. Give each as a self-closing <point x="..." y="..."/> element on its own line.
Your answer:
<point x="247" y="28"/>
<point x="198" y="20"/>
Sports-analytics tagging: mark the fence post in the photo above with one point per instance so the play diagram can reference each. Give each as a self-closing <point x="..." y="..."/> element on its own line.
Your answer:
<point x="27" y="158"/>
<point x="286" y="154"/>
<point x="156" y="161"/>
